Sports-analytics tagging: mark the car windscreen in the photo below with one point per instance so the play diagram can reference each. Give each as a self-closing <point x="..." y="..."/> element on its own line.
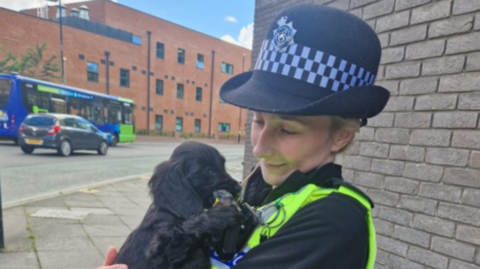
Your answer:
<point x="4" y="91"/>
<point x="39" y="121"/>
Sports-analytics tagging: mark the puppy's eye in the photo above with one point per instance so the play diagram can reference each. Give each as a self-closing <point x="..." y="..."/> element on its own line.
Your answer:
<point x="209" y="171"/>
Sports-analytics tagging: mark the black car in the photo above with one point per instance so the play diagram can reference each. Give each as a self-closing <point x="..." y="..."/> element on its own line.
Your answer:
<point x="64" y="133"/>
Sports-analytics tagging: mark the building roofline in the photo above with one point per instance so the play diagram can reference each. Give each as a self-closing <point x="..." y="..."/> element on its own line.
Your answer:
<point x="158" y="18"/>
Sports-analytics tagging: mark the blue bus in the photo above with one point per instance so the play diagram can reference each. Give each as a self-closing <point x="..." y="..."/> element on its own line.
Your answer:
<point x="20" y="96"/>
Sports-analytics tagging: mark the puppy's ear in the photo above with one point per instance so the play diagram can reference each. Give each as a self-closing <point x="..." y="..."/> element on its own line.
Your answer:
<point x="171" y="190"/>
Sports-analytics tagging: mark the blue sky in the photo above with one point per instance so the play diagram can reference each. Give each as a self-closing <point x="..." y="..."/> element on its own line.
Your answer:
<point x="230" y="20"/>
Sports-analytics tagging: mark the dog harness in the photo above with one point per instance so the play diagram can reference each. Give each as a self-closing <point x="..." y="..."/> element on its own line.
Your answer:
<point x="278" y="212"/>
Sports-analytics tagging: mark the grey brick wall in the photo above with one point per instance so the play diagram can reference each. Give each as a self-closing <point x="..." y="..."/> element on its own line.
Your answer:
<point x="420" y="159"/>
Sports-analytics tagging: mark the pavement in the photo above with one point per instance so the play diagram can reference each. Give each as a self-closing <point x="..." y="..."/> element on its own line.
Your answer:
<point x="74" y="230"/>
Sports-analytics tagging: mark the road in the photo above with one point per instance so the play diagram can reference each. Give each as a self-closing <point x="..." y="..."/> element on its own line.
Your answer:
<point x="44" y="174"/>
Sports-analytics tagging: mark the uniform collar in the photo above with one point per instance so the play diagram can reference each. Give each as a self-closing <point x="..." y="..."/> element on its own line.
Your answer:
<point x="321" y="177"/>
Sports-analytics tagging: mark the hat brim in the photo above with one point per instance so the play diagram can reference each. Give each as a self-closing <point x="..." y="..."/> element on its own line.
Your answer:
<point x="273" y="94"/>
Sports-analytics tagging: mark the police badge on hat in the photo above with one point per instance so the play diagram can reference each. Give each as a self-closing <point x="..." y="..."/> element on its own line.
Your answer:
<point x="283" y="35"/>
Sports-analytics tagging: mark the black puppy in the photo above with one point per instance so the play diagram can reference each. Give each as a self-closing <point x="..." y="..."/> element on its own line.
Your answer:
<point x="176" y="229"/>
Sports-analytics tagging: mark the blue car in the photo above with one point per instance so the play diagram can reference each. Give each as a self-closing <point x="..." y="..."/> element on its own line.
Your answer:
<point x="61" y="132"/>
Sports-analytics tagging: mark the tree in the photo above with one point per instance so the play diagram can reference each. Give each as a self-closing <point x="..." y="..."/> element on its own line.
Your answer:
<point x="31" y="64"/>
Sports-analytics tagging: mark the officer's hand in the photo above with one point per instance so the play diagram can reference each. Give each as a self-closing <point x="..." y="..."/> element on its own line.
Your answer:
<point x="109" y="258"/>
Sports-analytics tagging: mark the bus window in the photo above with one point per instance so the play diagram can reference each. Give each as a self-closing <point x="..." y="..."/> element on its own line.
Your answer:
<point x="31" y="99"/>
<point x="86" y="110"/>
<point x="34" y="101"/>
<point x="73" y="107"/>
<point x="114" y="112"/>
<point x="59" y="105"/>
<point x="98" y="113"/>
<point x="128" y="113"/>
<point x="4" y="91"/>
<point x="44" y="101"/>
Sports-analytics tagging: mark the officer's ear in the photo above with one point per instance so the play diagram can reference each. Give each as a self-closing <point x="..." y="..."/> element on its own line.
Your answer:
<point x="343" y="133"/>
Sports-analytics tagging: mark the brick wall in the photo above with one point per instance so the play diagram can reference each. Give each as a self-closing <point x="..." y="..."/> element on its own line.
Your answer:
<point x="419" y="160"/>
<point x="22" y="30"/>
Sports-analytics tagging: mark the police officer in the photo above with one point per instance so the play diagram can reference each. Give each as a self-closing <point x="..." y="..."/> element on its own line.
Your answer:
<point x="311" y="89"/>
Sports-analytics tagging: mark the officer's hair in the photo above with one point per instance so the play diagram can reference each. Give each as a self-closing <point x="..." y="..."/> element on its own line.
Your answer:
<point x="338" y="123"/>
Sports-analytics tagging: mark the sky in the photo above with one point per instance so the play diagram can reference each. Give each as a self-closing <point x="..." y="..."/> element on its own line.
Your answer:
<point x="229" y="20"/>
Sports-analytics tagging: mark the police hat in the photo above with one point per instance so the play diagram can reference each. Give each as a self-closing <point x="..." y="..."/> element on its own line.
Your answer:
<point x="315" y="60"/>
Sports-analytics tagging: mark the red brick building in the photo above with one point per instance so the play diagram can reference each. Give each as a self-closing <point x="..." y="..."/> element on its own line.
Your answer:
<point x="186" y="67"/>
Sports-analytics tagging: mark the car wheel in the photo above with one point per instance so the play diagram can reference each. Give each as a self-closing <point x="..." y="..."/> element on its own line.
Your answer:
<point x="65" y="148"/>
<point x="102" y="148"/>
<point x="15" y="140"/>
<point x="27" y="149"/>
<point x="114" y="140"/>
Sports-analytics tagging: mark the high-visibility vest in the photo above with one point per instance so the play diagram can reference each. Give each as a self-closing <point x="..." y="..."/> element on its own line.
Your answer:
<point x="287" y="205"/>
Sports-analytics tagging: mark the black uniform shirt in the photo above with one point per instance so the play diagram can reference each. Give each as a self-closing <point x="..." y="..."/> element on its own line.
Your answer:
<point x="331" y="232"/>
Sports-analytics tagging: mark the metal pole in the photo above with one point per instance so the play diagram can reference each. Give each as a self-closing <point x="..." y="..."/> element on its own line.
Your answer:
<point x="149" y="33"/>
<point x="107" y="55"/>
<point x="2" y="241"/>
<point x="211" y="96"/>
<point x="240" y="109"/>
<point x="61" y="41"/>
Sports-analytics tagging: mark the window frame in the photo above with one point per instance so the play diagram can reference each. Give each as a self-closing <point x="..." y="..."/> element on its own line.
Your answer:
<point x="199" y="121"/>
<point x="161" y="122"/>
<point x="181" y="124"/>
<point x="156" y="87"/>
<point x="221" y="129"/>
<point x="182" y="91"/>
<point x="162" y="50"/>
<point x="200" y="65"/>
<point x="197" y="95"/>
<point x="181" y="56"/>
<point x="95" y="74"/>
<point x="127" y="85"/>
<point x="227" y="68"/>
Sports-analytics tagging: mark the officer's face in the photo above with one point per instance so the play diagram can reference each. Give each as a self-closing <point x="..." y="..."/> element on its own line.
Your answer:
<point x="285" y="144"/>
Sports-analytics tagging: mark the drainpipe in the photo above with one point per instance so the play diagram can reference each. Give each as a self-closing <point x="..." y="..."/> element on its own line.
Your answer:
<point x="107" y="56"/>
<point x="149" y="33"/>
<point x="211" y="96"/>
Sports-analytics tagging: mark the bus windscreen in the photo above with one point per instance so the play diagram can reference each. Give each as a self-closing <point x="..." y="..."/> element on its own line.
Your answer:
<point x="4" y="91"/>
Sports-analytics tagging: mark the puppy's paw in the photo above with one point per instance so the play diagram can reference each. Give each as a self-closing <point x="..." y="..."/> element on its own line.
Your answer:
<point x="225" y="215"/>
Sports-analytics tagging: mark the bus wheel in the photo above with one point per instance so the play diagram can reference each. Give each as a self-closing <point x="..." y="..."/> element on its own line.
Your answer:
<point x="27" y="149"/>
<point x="65" y="148"/>
<point x="114" y="140"/>
<point x="15" y="140"/>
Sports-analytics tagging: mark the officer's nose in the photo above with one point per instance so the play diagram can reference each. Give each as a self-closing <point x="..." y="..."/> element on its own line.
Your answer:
<point x="263" y="142"/>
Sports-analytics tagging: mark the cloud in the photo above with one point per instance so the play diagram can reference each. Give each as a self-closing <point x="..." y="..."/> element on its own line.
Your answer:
<point x="231" y="19"/>
<point x="245" y="38"/>
<point x="27" y="4"/>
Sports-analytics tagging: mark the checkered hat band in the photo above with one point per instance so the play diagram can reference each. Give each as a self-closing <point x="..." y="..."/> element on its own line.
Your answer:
<point x="312" y="66"/>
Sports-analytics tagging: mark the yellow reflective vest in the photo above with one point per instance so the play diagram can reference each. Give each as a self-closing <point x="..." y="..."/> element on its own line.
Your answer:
<point x="278" y="212"/>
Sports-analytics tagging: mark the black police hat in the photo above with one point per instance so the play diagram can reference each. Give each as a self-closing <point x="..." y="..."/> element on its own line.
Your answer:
<point x="315" y="60"/>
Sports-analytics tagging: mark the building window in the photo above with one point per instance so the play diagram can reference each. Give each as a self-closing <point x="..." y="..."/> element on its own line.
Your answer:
<point x="92" y="72"/>
<point x="200" y="61"/>
<point x="158" y="122"/>
<point x="224" y="127"/>
<point x="227" y="68"/>
<point x="160" y="50"/>
<point x="179" y="124"/>
<point x="136" y="40"/>
<point x="181" y="56"/>
<point x="198" y="126"/>
<point x="159" y="87"/>
<point x="179" y="91"/>
<point x="125" y="78"/>
<point x="198" y="94"/>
